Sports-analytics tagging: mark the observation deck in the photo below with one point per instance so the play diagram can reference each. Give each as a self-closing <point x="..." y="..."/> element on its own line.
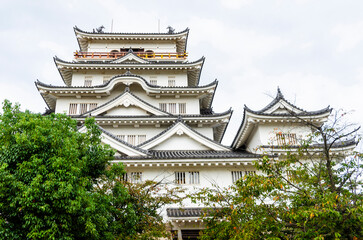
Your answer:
<point x="115" y="55"/>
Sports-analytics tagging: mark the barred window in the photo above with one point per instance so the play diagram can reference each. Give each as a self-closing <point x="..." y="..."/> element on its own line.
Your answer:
<point x="171" y="81"/>
<point x="163" y="107"/>
<point x="172" y="108"/>
<point x="88" y="81"/>
<point x="131" y="139"/>
<point x="106" y="78"/>
<point x="182" y="108"/>
<point x="141" y="139"/>
<point x="236" y="175"/>
<point x="122" y="137"/>
<point x="136" y="177"/>
<point x="92" y="106"/>
<point x="180" y="177"/>
<point x="286" y="139"/>
<point x="83" y="108"/>
<point x="73" y="108"/>
<point x="187" y="178"/>
<point x="153" y="80"/>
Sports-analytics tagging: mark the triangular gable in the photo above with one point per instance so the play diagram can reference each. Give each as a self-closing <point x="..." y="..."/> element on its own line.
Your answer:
<point x="282" y="107"/>
<point x="126" y="99"/>
<point x="185" y="135"/>
<point x="130" y="58"/>
<point x="117" y="144"/>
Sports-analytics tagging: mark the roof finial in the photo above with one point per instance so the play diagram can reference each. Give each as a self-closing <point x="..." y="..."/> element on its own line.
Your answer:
<point x="180" y="119"/>
<point x="99" y="29"/>
<point x="279" y="94"/>
<point x="170" y="29"/>
<point x="130" y="50"/>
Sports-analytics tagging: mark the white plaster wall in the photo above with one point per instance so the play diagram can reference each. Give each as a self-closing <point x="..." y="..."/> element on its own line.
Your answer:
<point x="126" y="111"/>
<point x="181" y="78"/>
<point x="156" y="46"/>
<point x="180" y="142"/>
<point x="265" y="134"/>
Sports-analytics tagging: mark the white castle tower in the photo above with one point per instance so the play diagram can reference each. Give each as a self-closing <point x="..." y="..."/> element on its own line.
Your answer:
<point x="146" y="97"/>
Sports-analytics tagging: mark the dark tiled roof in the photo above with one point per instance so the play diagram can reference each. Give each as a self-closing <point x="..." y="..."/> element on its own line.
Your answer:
<point x="180" y="119"/>
<point x="171" y="116"/>
<point x="126" y="90"/>
<point x="342" y="143"/>
<point x="119" y="33"/>
<point x="116" y="63"/>
<point x="279" y="97"/>
<point x="187" y="212"/>
<point x="121" y="141"/>
<point x="178" y="154"/>
<point x="125" y="75"/>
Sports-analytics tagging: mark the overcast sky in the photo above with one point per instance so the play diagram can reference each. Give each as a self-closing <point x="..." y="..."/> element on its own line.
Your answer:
<point x="312" y="49"/>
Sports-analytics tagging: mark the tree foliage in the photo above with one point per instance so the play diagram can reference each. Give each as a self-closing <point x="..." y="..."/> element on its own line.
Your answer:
<point x="57" y="183"/>
<point x="314" y="192"/>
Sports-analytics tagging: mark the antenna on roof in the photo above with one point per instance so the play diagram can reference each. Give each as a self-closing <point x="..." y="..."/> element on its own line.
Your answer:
<point x="112" y="25"/>
<point x="159" y="25"/>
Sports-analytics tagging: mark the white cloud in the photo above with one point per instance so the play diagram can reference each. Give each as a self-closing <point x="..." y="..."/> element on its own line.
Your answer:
<point x="235" y="4"/>
<point x="349" y="35"/>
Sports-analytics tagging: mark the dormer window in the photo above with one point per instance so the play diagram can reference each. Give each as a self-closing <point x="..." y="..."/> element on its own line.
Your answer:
<point x="286" y="139"/>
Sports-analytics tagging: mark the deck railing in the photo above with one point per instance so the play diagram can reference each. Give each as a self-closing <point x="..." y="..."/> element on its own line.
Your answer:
<point x="114" y="55"/>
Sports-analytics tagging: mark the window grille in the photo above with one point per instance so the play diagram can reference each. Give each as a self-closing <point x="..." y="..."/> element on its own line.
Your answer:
<point x="172" y="108"/>
<point x="92" y="106"/>
<point x="73" y="108"/>
<point x="187" y="178"/>
<point x="131" y="139"/>
<point x="88" y="81"/>
<point x="106" y="78"/>
<point x="122" y="137"/>
<point x="82" y="108"/>
<point x="153" y="80"/>
<point x="171" y="81"/>
<point x="236" y="175"/>
<point x="180" y="177"/>
<point x="136" y="177"/>
<point x="286" y="139"/>
<point x="163" y="107"/>
<point x="141" y="139"/>
<point x="182" y="108"/>
<point x="193" y="177"/>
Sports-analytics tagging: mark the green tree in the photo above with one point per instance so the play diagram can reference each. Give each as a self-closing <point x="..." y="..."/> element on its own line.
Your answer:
<point x="314" y="192"/>
<point x="58" y="183"/>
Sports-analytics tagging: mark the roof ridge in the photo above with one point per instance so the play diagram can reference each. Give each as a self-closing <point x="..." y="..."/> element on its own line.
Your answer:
<point x="120" y="33"/>
<point x="127" y="90"/>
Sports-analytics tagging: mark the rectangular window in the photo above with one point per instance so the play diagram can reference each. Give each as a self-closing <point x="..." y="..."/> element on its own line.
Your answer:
<point x="153" y="80"/>
<point x="73" y="108"/>
<point x="88" y="81"/>
<point x="122" y="137"/>
<point x="141" y="139"/>
<point x="182" y="108"/>
<point x="193" y="177"/>
<point x="82" y="108"/>
<point x="187" y="177"/>
<point x="180" y="177"/>
<point x="92" y="106"/>
<point x="106" y="78"/>
<point x="172" y="108"/>
<point x="171" y="81"/>
<point x="136" y="177"/>
<point x="236" y="175"/>
<point x="124" y="177"/>
<point x="286" y="139"/>
<point x="131" y="139"/>
<point x="163" y="107"/>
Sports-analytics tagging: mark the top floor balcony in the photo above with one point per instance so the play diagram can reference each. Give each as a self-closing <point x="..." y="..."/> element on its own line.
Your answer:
<point x="114" y="55"/>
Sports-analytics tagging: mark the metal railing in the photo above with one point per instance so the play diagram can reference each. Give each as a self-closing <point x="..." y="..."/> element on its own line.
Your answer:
<point x="114" y="55"/>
